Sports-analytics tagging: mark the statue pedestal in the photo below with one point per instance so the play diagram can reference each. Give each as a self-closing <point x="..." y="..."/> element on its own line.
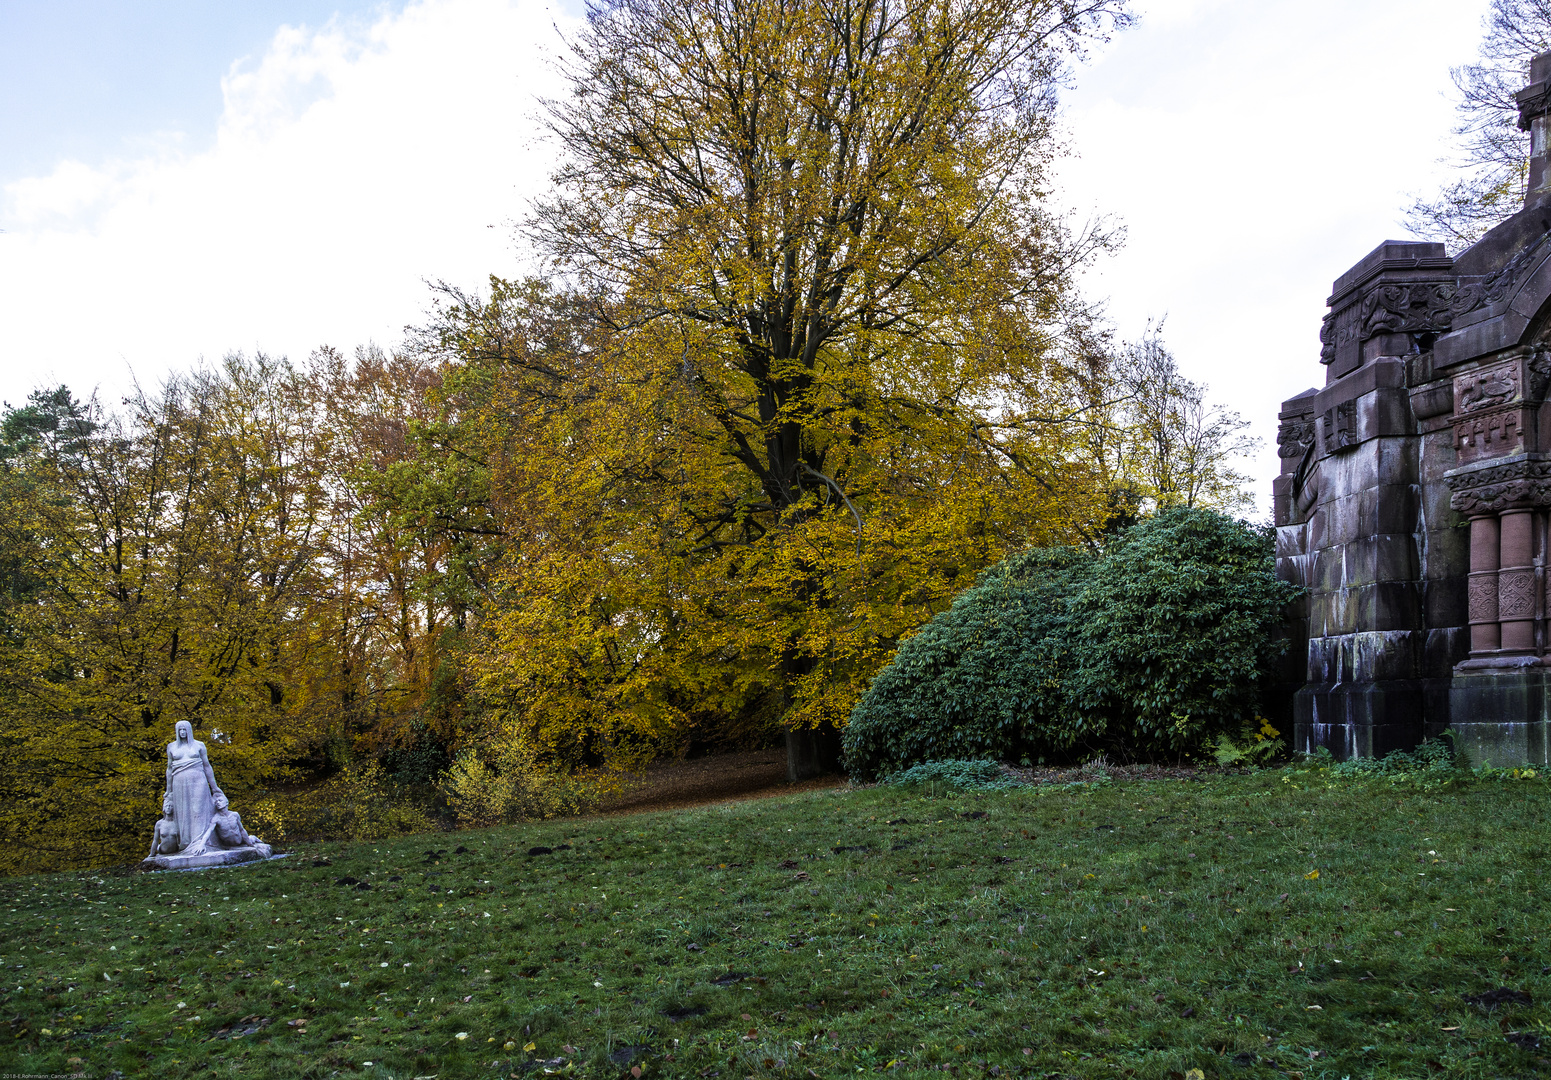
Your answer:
<point x="209" y="857"/>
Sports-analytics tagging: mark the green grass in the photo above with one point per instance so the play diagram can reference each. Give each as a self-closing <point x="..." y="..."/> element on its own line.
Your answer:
<point x="1133" y="929"/>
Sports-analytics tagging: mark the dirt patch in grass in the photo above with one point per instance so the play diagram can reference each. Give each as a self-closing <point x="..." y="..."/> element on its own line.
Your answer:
<point x="747" y="774"/>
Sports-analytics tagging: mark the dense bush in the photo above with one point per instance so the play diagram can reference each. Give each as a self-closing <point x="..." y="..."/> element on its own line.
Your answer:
<point x="983" y="679"/>
<point x="1151" y="648"/>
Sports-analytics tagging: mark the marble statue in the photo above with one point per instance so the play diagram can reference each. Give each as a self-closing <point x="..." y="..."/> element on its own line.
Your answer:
<point x="198" y="827"/>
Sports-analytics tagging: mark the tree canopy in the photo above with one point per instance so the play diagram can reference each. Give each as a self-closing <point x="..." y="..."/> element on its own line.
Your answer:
<point x="806" y="355"/>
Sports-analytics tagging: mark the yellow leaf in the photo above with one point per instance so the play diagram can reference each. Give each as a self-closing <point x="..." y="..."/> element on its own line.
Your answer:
<point x="1312" y="875"/>
<point x="530" y="1047"/>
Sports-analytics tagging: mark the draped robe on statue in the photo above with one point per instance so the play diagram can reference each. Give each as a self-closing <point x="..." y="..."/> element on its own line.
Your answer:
<point x="192" y="801"/>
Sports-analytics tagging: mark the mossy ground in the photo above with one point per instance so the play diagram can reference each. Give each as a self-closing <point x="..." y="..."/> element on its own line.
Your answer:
<point x="1146" y="928"/>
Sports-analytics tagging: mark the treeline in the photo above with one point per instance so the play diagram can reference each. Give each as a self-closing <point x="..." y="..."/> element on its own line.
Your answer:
<point x="490" y="543"/>
<point x="809" y="355"/>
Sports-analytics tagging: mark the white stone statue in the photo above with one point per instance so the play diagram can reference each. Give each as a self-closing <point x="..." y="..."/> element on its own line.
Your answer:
<point x="198" y="827"/>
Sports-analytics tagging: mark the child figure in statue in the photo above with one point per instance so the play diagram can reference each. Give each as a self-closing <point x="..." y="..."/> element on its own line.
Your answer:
<point x="164" y="841"/>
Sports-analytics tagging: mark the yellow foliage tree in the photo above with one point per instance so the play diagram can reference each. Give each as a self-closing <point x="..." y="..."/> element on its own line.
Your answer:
<point x="814" y="368"/>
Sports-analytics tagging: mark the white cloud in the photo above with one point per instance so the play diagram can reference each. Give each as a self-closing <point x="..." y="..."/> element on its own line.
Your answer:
<point x="1254" y="150"/>
<point x="350" y="165"/>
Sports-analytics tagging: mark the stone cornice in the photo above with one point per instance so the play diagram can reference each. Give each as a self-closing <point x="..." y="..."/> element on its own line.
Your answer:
<point x="1492" y="487"/>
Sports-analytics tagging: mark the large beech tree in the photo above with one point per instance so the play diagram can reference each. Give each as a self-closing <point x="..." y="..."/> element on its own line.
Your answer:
<point x="833" y="374"/>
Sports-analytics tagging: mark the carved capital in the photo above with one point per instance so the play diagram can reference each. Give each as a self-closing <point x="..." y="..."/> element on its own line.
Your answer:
<point x="1518" y="483"/>
<point x="1533" y="101"/>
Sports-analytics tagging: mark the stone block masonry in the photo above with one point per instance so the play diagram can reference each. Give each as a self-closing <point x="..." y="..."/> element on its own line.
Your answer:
<point x="1414" y="500"/>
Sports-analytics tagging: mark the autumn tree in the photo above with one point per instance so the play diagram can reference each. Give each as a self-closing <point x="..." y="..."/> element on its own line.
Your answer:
<point x="1492" y="153"/>
<point x="404" y="553"/>
<point x="831" y="378"/>
<point x="172" y="571"/>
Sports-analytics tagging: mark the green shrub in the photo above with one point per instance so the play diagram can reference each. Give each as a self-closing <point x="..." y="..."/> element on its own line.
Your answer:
<point x="1177" y="629"/>
<point x="982" y="680"/>
<point x="1432" y="760"/>
<point x="973" y="775"/>
<point x="1151" y="648"/>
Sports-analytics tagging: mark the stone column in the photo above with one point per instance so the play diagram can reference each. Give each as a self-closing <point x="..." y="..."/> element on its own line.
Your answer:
<point x="1516" y="581"/>
<point x="1485" y="636"/>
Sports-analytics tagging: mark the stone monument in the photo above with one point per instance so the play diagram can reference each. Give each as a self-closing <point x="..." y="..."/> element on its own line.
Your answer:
<point x="1414" y="493"/>
<point x="198" y="827"/>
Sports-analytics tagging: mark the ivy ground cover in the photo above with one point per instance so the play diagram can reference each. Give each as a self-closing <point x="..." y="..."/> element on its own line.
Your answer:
<point x="1274" y="924"/>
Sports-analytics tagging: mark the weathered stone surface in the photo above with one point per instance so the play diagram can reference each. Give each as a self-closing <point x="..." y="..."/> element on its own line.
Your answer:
<point x="1414" y="500"/>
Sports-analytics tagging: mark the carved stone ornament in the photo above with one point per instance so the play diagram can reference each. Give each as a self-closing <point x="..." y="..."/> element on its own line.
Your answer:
<point x="1422" y="306"/>
<point x="1397" y="309"/>
<point x="1525" y="482"/>
<point x="1533" y="101"/>
<point x="1516" y="594"/>
<point x="1338" y="328"/>
<point x="1483" y="598"/>
<point x="1295" y="435"/>
<point x="1486" y="388"/>
<point x="1340" y="425"/>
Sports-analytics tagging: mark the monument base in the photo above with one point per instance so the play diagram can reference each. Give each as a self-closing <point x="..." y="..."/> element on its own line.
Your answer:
<point x="222" y="857"/>
<point x="1502" y="716"/>
<point x="1360" y="719"/>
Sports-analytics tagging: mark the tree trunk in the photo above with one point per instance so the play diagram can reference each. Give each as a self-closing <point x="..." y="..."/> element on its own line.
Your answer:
<point x="812" y="752"/>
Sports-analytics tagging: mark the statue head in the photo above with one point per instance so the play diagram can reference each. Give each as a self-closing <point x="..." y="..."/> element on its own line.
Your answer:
<point x="183" y="730"/>
<point x="221" y="802"/>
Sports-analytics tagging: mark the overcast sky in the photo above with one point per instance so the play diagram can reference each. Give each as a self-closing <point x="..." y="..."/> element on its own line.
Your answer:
<point x="183" y="179"/>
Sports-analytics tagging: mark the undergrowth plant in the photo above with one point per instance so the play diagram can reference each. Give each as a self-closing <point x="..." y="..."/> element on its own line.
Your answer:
<point x="973" y="775"/>
<point x="359" y="802"/>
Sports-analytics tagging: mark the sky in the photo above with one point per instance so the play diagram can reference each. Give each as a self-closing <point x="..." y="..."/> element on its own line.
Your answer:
<point x="188" y="178"/>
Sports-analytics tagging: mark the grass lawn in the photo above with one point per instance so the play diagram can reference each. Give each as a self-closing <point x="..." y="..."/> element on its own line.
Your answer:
<point x="1279" y="923"/>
